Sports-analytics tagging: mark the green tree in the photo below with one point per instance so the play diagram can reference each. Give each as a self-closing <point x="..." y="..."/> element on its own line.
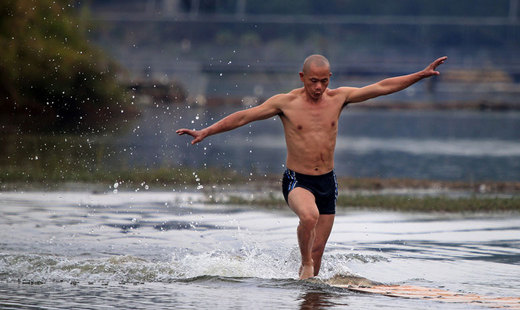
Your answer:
<point x="52" y="77"/>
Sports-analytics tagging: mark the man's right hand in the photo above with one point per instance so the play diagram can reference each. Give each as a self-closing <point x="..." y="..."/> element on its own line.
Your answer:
<point x="198" y="135"/>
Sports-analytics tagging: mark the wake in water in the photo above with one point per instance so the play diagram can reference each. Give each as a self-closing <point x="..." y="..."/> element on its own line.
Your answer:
<point x="216" y="267"/>
<point x="43" y="268"/>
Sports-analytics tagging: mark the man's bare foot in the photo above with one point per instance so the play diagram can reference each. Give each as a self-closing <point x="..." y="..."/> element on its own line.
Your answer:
<point x="306" y="272"/>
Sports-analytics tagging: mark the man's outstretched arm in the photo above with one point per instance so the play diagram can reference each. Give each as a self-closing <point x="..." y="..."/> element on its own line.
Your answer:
<point x="391" y="85"/>
<point x="237" y="119"/>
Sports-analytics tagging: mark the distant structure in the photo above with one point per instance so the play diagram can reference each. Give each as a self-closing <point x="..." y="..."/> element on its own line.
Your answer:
<point x="204" y="11"/>
<point x="195" y="42"/>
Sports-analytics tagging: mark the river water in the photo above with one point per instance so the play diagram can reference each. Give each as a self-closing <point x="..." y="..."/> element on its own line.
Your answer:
<point x="164" y="250"/>
<point x="441" y="145"/>
<point x="468" y="146"/>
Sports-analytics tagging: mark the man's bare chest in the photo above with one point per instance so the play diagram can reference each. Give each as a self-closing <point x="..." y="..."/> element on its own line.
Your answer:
<point x="312" y="117"/>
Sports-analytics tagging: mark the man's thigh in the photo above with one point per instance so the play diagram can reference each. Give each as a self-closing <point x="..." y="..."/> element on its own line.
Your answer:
<point x="302" y="202"/>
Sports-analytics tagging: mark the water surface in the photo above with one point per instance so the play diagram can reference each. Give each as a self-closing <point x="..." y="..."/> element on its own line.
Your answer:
<point x="440" y="145"/>
<point x="469" y="146"/>
<point x="158" y="250"/>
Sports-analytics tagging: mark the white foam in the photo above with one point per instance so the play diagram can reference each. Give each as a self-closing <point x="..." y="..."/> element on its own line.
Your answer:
<point x="108" y="199"/>
<point x="252" y="263"/>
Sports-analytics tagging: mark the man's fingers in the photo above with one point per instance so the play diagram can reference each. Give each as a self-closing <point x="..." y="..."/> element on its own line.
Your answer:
<point x="193" y="133"/>
<point x="196" y="140"/>
<point x="435" y="64"/>
<point x="184" y="131"/>
<point x="440" y="61"/>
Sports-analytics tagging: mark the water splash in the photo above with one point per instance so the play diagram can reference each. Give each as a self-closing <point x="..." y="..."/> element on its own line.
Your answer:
<point x="244" y="263"/>
<point x="250" y="261"/>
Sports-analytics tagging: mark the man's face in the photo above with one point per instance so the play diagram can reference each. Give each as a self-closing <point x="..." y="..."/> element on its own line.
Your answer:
<point x="316" y="80"/>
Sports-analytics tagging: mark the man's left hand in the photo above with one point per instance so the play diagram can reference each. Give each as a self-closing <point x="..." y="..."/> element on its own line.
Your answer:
<point x="430" y="70"/>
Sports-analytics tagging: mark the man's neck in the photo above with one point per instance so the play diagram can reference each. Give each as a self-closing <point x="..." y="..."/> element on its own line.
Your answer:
<point x="314" y="100"/>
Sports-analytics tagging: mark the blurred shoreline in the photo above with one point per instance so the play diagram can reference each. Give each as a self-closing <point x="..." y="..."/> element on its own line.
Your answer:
<point x="168" y="178"/>
<point x="403" y="195"/>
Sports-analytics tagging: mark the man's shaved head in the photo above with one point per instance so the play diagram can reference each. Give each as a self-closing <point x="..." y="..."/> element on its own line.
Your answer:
<point x="315" y="60"/>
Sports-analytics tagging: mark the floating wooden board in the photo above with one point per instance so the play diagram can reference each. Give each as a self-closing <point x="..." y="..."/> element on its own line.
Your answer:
<point x="363" y="285"/>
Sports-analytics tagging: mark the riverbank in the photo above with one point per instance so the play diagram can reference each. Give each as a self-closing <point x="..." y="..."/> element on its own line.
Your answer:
<point x="52" y="177"/>
<point x="219" y="187"/>
<point x="409" y="202"/>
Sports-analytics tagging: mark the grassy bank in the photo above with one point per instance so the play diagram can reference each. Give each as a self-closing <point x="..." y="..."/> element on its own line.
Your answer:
<point x="408" y="203"/>
<point x="372" y="193"/>
<point x="78" y="160"/>
<point x="432" y="203"/>
<point x="45" y="178"/>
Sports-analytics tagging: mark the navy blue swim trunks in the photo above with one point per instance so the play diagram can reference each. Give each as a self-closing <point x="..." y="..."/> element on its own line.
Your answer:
<point x="324" y="188"/>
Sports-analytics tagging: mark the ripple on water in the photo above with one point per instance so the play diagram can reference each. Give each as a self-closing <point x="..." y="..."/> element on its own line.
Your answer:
<point x="163" y="257"/>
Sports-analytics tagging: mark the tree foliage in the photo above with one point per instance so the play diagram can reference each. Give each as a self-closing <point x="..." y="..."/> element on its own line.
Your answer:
<point x="52" y="77"/>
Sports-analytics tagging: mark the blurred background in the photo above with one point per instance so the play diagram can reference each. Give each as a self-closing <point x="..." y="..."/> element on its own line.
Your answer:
<point x="93" y="91"/>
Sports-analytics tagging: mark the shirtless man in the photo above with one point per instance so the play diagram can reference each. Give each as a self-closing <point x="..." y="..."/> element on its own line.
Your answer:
<point x="310" y="119"/>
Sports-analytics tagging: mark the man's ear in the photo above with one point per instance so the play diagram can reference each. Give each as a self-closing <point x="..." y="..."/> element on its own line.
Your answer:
<point x="301" y="76"/>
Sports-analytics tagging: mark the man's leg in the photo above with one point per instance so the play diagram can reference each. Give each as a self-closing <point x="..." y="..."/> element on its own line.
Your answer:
<point x="302" y="202"/>
<point x="323" y="229"/>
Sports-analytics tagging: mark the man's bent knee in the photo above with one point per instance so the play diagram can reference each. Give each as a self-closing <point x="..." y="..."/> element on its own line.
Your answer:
<point x="309" y="219"/>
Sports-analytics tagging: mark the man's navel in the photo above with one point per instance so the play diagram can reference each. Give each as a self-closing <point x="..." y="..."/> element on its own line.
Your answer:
<point x="299" y="127"/>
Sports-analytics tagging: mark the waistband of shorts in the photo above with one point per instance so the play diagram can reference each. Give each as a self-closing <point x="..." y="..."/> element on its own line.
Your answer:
<point x="310" y="176"/>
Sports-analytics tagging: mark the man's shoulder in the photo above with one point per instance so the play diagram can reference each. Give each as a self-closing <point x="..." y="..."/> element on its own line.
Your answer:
<point x="339" y="91"/>
<point x="340" y="94"/>
<point x="290" y="96"/>
<point x="295" y="93"/>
